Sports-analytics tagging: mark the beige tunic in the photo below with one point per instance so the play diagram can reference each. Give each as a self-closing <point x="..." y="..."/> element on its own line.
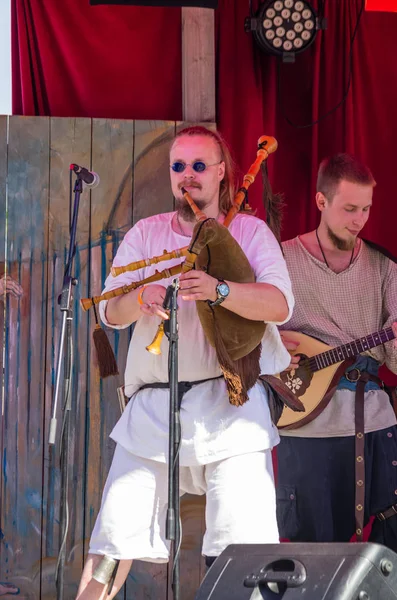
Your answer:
<point x="337" y="308"/>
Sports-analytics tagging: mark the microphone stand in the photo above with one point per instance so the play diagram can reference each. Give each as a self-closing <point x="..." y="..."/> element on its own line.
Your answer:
<point x="173" y="528"/>
<point x="65" y="356"/>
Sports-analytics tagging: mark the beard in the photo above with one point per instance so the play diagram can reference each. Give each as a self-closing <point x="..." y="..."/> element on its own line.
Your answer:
<point x="183" y="208"/>
<point x="339" y="242"/>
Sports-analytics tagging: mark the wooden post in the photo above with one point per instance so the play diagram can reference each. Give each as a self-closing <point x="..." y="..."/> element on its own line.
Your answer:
<point x="198" y="65"/>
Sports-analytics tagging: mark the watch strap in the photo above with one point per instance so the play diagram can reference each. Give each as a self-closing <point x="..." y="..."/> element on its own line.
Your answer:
<point x="220" y="298"/>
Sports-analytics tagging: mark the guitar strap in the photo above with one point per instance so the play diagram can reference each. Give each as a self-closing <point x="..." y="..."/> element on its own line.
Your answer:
<point x="381" y="249"/>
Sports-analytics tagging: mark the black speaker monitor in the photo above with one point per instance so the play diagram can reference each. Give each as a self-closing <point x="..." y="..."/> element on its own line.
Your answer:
<point x="307" y="571"/>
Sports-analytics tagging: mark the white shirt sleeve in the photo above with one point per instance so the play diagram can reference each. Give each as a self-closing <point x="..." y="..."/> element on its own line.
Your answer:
<point x="130" y="250"/>
<point x="266" y="258"/>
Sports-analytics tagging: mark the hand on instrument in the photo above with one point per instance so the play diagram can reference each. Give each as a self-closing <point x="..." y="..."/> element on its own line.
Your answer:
<point x="153" y="298"/>
<point x="291" y="346"/>
<point x="197" y="285"/>
<point x="8" y="285"/>
<point x="394" y="327"/>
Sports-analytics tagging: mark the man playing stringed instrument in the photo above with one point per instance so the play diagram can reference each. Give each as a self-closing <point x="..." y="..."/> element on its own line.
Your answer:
<point x="339" y="468"/>
<point x="225" y="449"/>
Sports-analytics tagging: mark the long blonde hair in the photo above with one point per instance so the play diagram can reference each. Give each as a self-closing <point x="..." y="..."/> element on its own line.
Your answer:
<point x="228" y="184"/>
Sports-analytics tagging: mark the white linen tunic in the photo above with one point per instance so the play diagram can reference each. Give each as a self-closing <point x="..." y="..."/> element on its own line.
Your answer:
<point x="212" y="429"/>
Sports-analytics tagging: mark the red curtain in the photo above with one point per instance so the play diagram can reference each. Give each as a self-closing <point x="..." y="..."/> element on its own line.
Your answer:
<point x="73" y="59"/>
<point x="254" y="99"/>
<point x="70" y="59"/>
<point x="365" y="124"/>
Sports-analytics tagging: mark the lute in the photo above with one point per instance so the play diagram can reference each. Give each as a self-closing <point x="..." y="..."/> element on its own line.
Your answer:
<point x="319" y="369"/>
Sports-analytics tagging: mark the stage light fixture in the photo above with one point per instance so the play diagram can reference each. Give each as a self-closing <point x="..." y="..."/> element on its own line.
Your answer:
<point x="284" y="27"/>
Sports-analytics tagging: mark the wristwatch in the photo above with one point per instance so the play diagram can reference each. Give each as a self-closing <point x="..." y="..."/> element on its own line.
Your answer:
<point x="222" y="290"/>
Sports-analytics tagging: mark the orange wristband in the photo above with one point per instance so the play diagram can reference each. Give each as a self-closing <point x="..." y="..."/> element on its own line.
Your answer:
<point x="140" y="299"/>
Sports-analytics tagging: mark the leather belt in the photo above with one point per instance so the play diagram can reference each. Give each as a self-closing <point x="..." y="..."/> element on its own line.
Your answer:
<point x="361" y="378"/>
<point x="386" y="514"/>
<point x="183" y="386"/>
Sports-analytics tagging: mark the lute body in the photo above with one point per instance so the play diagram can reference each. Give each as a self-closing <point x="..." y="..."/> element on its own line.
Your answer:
<point x="318" y="372"/>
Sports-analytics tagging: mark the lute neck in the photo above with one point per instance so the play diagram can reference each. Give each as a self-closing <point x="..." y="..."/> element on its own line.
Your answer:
<point x="351" y="349"/>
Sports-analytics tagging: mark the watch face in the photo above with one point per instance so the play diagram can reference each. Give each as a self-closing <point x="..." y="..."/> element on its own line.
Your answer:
<point x="223" y="289"/>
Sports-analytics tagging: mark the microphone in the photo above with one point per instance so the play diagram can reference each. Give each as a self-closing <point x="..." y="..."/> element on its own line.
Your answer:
<point x="90" y="178"/>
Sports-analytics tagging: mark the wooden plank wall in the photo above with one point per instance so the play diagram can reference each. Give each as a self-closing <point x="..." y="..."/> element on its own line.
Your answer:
<point x="131" y="158"/>
<point x="3" y="209"/>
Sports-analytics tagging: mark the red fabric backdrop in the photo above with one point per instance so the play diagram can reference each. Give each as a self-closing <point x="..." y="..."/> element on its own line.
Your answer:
<point x="71" y="59"/>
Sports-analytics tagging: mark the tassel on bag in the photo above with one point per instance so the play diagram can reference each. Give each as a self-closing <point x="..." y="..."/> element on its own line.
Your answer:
<point x="105" y="356"/>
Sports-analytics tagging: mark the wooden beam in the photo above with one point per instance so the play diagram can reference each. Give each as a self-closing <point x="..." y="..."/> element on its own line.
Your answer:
<point x="198" y="65"/>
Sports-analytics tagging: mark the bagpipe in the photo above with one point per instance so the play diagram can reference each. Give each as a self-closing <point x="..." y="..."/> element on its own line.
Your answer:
<point x="213" y="249"/>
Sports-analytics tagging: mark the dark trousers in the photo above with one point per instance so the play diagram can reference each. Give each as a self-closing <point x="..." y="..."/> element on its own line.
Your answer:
<point x="316" y="487"/>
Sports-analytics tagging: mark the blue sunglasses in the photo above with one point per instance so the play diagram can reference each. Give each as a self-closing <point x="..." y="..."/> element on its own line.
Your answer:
<point x="199" y="166"/>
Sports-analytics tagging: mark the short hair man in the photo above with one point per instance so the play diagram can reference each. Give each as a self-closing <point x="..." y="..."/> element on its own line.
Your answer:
<point x="344" y="289"/>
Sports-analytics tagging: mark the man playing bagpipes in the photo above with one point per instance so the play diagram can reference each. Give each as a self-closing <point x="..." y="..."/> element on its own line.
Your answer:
<point x="227" y="432"/>
<point x="339" y="468"/>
